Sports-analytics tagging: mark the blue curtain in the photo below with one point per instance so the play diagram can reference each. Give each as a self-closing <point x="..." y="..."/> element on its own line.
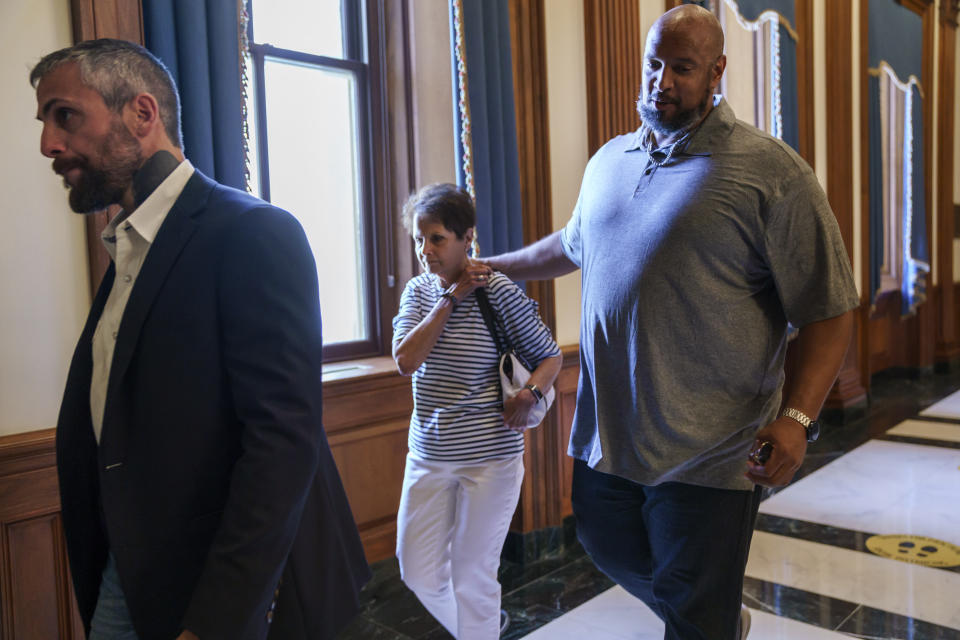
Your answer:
<point x="895" y="36"/>
<point x="198" y="40"/>
<point x="789" y="92"/>
<point x="495" y="165"/>
<point x="751" y="9"/>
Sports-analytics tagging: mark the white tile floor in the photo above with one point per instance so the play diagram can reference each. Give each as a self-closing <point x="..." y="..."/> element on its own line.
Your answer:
<point x="906" y="589"/>
<point x="949" y="407"/>
<point x="945" y="431"/>
<point x="881" y="487"/>
<point x="616" y="615"/>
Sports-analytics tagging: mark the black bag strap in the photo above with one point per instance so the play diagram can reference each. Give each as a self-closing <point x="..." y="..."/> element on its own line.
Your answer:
<point x="491" y="319"/>
<point x="496" y="328"/>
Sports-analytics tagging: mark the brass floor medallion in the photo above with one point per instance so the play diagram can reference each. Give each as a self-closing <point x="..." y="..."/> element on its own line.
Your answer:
<point x="922" y="550"/>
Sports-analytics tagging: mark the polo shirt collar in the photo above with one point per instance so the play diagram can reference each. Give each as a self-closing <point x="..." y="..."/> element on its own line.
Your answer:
<point x="717" y="125"/>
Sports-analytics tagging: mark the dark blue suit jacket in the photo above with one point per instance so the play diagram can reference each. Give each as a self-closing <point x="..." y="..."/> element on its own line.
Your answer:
<point x="213" y="484"/>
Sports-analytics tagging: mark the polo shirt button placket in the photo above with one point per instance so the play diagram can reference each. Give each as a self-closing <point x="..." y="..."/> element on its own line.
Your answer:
<point x="645" y="179"/>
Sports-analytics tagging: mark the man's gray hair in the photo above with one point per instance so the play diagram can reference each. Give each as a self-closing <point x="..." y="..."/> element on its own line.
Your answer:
<point x="119" y="70"/>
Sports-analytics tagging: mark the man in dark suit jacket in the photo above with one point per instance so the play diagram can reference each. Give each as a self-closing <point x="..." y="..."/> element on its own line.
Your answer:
<point x="199" y="494"/>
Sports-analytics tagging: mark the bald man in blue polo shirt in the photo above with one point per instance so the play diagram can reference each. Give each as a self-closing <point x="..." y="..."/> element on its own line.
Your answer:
<point x="699" y="238"/>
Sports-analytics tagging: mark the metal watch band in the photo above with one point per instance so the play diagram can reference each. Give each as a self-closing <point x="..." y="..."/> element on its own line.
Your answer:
<point x="797" y="415"/>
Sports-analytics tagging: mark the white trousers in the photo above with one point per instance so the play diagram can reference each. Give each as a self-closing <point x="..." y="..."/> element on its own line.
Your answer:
<point x="451" y="526"/>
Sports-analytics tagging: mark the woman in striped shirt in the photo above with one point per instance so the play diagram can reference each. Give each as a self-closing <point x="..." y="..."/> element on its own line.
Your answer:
<point x="465" y="460"/>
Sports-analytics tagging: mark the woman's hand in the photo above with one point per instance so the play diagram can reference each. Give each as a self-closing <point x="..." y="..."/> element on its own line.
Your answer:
<point x="516" y="409"/>
<point x="474" y="275"/>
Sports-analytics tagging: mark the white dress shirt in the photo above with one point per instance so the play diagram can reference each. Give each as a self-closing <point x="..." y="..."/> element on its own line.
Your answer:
<point x="128" y="239"/>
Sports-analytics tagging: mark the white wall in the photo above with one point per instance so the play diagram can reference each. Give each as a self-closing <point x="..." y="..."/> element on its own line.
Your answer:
<point x="820" y="91"/>
<point x="650" y="10"/>
<point x="43" y="265"/>
<point x="567" y="106"/>
<point x="433" y="92"/>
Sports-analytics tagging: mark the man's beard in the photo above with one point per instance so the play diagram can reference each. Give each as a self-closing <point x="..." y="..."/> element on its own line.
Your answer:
<point x="99" y="187"/>
<point x="683" y="119"/>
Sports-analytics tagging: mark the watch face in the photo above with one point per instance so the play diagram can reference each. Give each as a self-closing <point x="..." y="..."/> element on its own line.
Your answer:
<point x="813" y="431"/>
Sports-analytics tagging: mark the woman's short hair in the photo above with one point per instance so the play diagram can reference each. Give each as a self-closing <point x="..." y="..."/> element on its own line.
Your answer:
<point x="443" y="202"/>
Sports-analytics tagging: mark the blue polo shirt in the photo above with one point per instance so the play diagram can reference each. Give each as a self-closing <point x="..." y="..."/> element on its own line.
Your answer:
<point x="690" y="272"/>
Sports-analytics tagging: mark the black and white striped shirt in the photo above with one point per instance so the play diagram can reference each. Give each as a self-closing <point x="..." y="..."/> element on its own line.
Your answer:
<point x="457" y="409"/>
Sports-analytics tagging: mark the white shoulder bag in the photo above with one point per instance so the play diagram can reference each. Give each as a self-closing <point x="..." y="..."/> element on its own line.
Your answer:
<point x="514" y="369"/>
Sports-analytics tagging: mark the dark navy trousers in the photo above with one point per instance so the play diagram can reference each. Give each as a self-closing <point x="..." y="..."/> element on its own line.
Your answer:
<point x="680" y="548"/>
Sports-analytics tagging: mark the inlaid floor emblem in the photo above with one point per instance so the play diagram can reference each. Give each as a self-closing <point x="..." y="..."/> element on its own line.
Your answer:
<point x="921" y="550"/>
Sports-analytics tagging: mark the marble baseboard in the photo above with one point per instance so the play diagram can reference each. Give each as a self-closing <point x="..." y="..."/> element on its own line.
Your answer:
<point x="532" y="546"/>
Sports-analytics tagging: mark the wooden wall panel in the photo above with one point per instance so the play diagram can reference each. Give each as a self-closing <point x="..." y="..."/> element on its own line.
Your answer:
<point x="948" y="323"/>
<point x="902" y="342"/>
<point x="366" y="420"/>
<point x="803" y="10"/>
<point x="566" y="403"/>
<point x="538" y="506"/>
<point x="614" y="51"/>
<point x="956" y="300"/>
<point x="36" y="598"/>
<point x="852" y="382"/>
<point x="107" y="19"/>
<point x="32" y="545"/>
<point x="923" y="337"/>
<point x="371" y="463"/>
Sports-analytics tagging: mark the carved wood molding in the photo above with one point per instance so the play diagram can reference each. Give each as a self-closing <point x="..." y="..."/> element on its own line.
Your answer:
<point x="949" y="12"/>
<point x="803" y="10"/>
<point x="948" y="332"/>
<point x="121" y="19"/>
<point x="853" y="379"/>
<point x="917" y="6"/>
<point x="36" y="598"/>
<point x="929" y="21"/>
<point x="614" y="58"/>
<point x="539" y="504"/>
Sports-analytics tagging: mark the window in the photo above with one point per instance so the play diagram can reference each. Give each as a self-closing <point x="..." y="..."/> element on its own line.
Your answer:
<point x="896" y="140"/>
<point x="309" y="119"/>
<point x="896" y="157"/>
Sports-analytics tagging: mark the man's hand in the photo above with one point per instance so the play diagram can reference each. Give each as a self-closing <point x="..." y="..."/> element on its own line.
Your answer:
<point x="516" y="409"/>
<point x="187" y="635"/>
<point x="789" y="440"/>
<point x="475" y="275"/>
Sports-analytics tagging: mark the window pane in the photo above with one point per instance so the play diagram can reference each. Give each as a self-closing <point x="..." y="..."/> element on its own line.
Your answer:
<point x="315" y="175"/>
<point x="311" y="26"/>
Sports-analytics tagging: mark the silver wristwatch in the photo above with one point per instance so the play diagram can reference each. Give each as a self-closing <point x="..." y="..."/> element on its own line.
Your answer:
<point x="812" y="427"/>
